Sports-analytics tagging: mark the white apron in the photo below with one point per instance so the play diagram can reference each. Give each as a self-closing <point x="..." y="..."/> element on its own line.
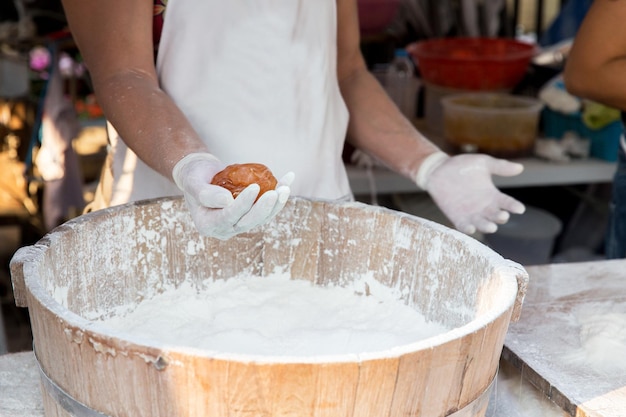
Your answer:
<point x="257" y="80"/>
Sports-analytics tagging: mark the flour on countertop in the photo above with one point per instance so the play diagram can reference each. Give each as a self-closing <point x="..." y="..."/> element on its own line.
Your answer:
<point x="602" y="337"/>
<point x="275" y="315"/>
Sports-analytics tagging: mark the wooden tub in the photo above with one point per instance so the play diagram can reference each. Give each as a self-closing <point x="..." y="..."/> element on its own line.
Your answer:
<point x="113" y="257"/>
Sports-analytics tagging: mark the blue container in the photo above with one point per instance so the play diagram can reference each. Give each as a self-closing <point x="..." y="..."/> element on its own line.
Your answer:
<point x="604" y="141"/>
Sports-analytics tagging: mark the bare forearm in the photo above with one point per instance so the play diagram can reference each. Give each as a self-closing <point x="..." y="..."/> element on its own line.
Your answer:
<point x="605" y="84"/>
<point x="379" y="128"/>
<point x="147" y="119"/>
<point x="596" y="65"/>
<point x="115" y="40"/>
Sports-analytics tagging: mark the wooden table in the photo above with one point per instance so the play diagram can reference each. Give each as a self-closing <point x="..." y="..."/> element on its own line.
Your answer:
<point x="567" y="308"/>
<point x="537" y="173"/>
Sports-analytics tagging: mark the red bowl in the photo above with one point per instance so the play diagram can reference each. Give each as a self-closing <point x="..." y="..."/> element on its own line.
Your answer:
<point x="472" y="63"/>
<point x="376" y="15"/>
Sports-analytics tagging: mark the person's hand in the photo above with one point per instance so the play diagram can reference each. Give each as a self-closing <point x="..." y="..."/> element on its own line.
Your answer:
<point x="213" y="209"/>
<point x="463" y="189"/>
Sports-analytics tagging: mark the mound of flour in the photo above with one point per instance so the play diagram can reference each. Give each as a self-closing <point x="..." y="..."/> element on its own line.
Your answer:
<point x="275" y="315"/>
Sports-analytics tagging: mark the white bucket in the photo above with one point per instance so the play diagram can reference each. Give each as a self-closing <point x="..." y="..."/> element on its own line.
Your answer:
<point x="527" y="238"/>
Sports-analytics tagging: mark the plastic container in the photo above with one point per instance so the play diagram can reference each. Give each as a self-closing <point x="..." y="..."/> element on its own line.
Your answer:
<point x="433" y="109"/>
<point x="401" y="84"/>
<point x="604" y="142"/>
<point x="472" y="63"/>
<point x="501" y="125"/>
<point x="527" y="238"/>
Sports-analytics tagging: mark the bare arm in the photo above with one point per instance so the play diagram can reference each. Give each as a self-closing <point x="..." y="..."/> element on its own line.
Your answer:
<point x="115" y="39"/>
<point x="596" y="65"/>
<point x="461" y="186"/>
<point x="376" y="125"/>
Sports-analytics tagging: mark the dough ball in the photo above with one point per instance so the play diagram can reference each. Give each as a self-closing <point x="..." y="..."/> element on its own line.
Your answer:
<point x="237" y="177"/>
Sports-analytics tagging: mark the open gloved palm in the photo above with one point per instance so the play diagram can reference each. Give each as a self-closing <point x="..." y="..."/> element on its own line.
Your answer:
<point x="214" y="211"/>
<point x="463" y="188"/>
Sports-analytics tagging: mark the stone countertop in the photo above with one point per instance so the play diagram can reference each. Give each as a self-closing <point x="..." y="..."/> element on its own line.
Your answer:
<point x="20" y="394"/>
<point x="570" y="341"/>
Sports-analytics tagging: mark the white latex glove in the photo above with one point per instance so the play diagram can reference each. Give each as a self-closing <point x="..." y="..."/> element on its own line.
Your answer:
<point x="213" y="209"/>
<point x="463" y="189"/>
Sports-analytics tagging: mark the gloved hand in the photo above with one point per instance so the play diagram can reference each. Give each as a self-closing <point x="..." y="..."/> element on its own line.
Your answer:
<point x="463" y="189"/>
<point x="213" y="209"/>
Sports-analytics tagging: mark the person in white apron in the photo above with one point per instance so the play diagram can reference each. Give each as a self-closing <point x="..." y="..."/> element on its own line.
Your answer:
<point x="279" y="82"/>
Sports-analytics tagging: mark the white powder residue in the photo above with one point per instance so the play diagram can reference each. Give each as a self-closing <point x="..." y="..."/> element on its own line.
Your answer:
<point x="276" y="316"/>
<point x="60" y="294"/>
<point x="513" y="396"/>
<point x="602" y="337"/>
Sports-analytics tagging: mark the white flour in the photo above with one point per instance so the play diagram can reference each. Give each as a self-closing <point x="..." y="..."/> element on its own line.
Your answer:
<point x="602" y="337"/>
<point x="276" y="316"/>
<point x="515" y="397"/>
